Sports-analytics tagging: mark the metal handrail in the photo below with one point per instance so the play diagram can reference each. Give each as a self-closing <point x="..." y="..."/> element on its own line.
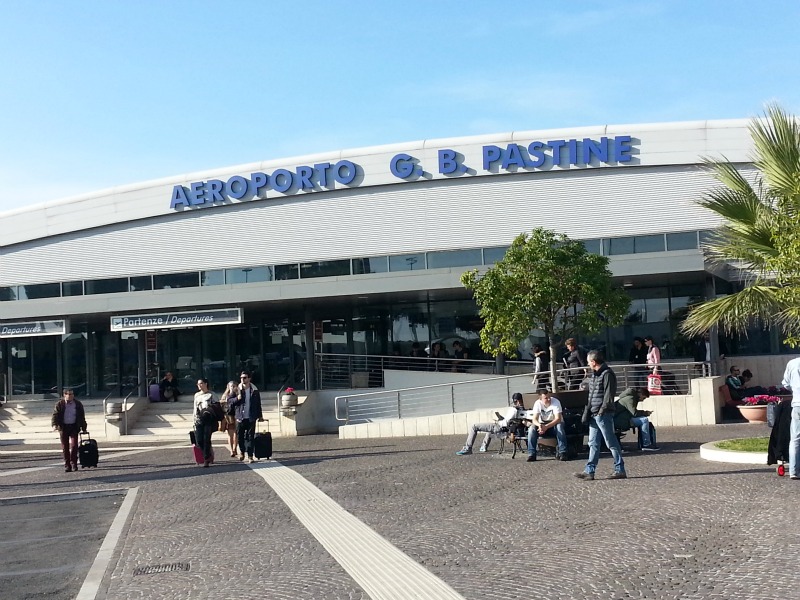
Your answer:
<point x="397" y="393"/>
<point x="105" y="420"/>
<point x="425" y="401"/>
<point x="125" y="407"/>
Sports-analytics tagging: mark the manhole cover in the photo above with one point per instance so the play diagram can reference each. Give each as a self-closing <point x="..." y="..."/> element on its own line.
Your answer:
<point x="151" y="569"/>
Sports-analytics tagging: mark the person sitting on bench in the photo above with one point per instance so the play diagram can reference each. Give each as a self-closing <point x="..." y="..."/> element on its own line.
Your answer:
<point x="625" y="415"/>
<point x="493" y="429"/>
<point x="548" y="419"/>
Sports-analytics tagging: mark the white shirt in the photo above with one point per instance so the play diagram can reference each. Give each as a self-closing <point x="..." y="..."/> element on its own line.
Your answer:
<point x="545" y="414"/>
<point x="791" y="380"/>
<point x="511" y="413"/>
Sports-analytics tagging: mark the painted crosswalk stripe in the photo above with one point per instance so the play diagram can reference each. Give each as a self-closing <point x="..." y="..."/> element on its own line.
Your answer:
<point x="382" y="570"/>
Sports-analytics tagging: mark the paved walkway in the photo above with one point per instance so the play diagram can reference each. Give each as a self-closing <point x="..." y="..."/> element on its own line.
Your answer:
<point x="359" y="519"/>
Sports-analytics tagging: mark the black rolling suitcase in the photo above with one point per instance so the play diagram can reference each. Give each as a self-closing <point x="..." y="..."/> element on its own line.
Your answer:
<point x="262" y="443"/>
<point x="88" y="454"/>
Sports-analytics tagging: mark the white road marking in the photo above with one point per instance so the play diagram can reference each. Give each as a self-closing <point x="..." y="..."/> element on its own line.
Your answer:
<point x="382" y="570"/>
<point x="91" y="585"/>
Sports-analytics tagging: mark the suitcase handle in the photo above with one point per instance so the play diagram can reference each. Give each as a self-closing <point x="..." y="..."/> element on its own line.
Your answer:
<point x="81" y="434"/>
<point x="264" y="421"/>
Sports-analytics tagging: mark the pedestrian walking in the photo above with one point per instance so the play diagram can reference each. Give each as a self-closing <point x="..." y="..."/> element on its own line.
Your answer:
<point x="204" y="421"/>
<point x="68" y="419"/>
<point x="599" y="414"/>
<point x="248" y="411"/>
<point x="228" y="424"/>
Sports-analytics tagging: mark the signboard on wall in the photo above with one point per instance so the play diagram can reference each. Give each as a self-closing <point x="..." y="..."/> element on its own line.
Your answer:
<point x="32" y="328"/>
<point x="177" y="320"/>
<point x="151" y="341"/>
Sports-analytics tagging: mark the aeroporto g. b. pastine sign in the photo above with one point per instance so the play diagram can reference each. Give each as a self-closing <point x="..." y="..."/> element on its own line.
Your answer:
<point x="513" y="158"/>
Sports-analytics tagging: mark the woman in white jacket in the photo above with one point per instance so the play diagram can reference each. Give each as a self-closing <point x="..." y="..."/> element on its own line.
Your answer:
<point x="204" y="425"/>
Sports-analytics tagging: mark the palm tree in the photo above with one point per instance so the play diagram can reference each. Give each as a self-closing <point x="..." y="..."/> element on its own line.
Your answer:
<point x="759" y="237"/>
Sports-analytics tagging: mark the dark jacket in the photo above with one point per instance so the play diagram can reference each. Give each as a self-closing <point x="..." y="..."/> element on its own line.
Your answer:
<point x="576" y="358"/>
<point x="778" y="448"/>
<point x="638" y="356"/>
<point x="166" y="385"/>
<point x="58" y="415"/>
<point x="602" y="389"/>
<point x="255" y="405"/>
<point x="625" y="408"/>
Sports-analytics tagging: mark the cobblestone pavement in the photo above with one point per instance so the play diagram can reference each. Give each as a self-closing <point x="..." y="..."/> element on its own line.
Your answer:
<point x="679" y="527"/>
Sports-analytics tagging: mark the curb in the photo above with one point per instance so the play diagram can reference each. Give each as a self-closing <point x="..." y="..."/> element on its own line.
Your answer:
<point x="710" y="451"/>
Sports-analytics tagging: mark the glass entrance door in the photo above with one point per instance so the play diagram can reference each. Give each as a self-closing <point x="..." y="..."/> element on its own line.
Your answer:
<point x="33" y="365"/>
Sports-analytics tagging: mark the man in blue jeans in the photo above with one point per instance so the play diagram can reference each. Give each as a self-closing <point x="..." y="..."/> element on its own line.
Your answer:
<point x="791" y="380"/>
<point x="547" y="419"/>
<point x="599" y="414"/>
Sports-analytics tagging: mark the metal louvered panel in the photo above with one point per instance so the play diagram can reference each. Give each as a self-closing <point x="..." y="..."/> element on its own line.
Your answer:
<point x="414" y="217"/>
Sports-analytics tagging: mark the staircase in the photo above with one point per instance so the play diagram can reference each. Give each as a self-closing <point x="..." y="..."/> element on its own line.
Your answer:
<point x="28" y="421"/>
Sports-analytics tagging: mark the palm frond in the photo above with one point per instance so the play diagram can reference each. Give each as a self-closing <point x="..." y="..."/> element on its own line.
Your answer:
<point x="736" y="312"/>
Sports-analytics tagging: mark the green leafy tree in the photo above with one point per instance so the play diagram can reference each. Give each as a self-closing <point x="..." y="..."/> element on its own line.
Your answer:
<point x="760" y="236"/>
<point x="545" y="281"/>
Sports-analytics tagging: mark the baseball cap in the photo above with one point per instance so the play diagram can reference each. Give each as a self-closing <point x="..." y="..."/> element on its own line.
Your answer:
<point x="516" y="397"/>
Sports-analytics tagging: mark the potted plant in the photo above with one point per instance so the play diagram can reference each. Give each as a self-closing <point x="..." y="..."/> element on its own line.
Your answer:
<point x="288" y="398"/>
<point x="754" y="408"/>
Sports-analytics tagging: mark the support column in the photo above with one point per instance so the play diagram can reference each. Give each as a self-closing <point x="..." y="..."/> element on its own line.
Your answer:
<point x="310" y="367"/>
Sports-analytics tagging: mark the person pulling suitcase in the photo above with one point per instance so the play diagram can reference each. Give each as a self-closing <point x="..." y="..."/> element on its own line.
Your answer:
<point x="248" y="413"/>
<point x="68" y="419"/>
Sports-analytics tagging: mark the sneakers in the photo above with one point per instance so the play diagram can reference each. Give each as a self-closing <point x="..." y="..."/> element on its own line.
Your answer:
<point x="250" y="460"/>
<point x="68" y="469"/>
<point x="482" y="449"/>
<point x="586" y="476"/>
<point x="562" y="457"/>
<point x="794" y="476"/>
<point x="241" y="458"/>
<point x="464" y="451"/>
<point x="618" y="475"/>
<point x="531" y="458"/>
<point x="74" y="466"/>
<point x="650" y="448"/>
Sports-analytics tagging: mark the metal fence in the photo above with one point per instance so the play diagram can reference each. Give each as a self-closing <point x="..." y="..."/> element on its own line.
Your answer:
<point x="493" y="391"/>
<point x="352" y="371"/>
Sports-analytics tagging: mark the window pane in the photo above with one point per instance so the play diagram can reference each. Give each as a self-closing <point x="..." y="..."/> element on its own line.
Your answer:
<point x="40" y="290"/>
<point x="648" y="243"/>
<point x="72" y="288"/>
<point x="656" y="309"/>
<point x="106" y="286"/>
<point x="142" y="282"/>
<point x="8" y="293"/>
<point x="593" y="246"/>
<point x="216" y="277"/>
<point x="682" y="241"/>
<point x="176" y="280"/>
<point x="493" y="255"/>
<point x="454" y="258"/>
<point x="248" y="275"/>
<point x="406" y="262"/>
<point x="375" y="264"/>
<point x="620" y="245"/>
<point x="325" y="268"/>
<point x="286" y="272"/>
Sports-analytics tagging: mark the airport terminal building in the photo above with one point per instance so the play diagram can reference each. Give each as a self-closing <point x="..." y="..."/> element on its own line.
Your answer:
<point x="357" y="252"/>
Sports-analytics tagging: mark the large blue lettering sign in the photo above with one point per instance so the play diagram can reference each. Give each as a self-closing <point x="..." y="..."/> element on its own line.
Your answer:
<point x="558" y="153"/>
<point x="303" y="178"/>
<point x="511" y="158"/>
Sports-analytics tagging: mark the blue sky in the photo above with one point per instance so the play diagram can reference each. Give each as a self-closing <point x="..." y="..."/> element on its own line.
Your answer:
<point x="97" y="93"/>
